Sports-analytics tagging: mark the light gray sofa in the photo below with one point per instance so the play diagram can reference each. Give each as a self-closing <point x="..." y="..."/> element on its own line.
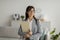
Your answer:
<point x="9" y="31"/>
<point x="12" y="31"/>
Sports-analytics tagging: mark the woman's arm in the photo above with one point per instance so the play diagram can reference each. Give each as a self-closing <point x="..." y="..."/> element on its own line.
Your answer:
<point x="20" y="32"/>
<point x="39" y="32"/>
<point x="24" y="34"/>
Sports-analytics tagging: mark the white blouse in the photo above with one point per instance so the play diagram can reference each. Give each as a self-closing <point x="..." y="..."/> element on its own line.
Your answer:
<point x="30" y="24"/>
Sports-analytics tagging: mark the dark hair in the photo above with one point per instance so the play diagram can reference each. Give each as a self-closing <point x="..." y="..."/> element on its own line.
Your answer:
<point x="27" y="10"/>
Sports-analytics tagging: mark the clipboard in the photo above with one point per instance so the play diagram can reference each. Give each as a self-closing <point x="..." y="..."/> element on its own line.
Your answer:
<point x="25" y="26"/>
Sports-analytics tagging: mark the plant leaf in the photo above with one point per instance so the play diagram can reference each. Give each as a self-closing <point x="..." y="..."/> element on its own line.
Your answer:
<point x="52" y="31"/>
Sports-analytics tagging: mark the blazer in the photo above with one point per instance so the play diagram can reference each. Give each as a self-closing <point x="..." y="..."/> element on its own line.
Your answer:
<point x="36" y="30"/>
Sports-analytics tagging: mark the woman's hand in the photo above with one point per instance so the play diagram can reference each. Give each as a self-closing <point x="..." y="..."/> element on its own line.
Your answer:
<point x="28" y="34"/>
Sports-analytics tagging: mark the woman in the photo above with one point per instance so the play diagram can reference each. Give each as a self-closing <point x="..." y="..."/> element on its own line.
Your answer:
<point x="35" y="31"/>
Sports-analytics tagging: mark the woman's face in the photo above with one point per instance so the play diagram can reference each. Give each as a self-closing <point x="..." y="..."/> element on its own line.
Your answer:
<point x="31" y="13"/>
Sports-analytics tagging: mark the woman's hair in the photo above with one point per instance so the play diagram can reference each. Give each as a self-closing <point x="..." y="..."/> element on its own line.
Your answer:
<point x="27" y="10"/>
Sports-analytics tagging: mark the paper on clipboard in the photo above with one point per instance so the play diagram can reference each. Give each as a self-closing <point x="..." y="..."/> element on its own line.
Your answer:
<point x="25" y="26"/>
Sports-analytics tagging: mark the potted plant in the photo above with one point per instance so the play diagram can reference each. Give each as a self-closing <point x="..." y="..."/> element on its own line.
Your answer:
<point x="54" y="36"/>
<point x="22" y="17"/>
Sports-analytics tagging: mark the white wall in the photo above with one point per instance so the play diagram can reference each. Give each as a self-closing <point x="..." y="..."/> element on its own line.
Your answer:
<point x="50" y="8"/>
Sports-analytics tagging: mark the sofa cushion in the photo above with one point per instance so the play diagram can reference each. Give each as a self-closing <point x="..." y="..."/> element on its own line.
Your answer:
<point x="9" y="32"/>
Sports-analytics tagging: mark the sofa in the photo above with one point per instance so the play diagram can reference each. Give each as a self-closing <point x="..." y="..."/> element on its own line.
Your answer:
<point x="12" y="31"/>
